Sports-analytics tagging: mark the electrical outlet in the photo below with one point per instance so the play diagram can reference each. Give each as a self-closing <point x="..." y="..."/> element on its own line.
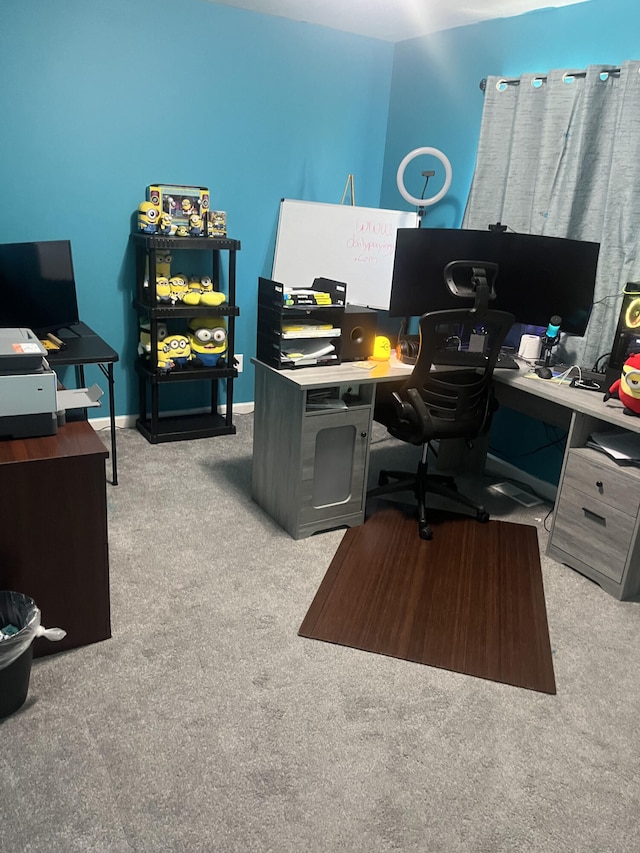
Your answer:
<point x="239" y="362"/>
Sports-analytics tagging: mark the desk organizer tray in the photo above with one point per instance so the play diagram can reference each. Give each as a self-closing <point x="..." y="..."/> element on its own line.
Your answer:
<point x="300" y="327"/>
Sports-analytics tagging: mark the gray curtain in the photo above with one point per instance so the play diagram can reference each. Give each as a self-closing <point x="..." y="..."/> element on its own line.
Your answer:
<point x="559" y="155"/>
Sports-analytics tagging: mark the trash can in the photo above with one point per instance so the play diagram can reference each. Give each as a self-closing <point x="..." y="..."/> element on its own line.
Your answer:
<point x="19" y="626"/>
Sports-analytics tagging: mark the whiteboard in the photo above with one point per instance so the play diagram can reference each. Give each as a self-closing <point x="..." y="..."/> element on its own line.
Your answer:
<point x="355" y="245"/>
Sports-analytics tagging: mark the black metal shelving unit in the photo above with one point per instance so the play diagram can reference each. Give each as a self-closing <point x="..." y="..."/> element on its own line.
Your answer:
<point x="155" y="426"/>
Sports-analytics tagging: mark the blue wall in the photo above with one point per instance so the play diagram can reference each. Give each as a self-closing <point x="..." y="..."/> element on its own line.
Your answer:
<point x="101" y="99"/>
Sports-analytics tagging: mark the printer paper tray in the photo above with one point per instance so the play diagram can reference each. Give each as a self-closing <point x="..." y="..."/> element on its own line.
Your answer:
<point x="80" y="398"/>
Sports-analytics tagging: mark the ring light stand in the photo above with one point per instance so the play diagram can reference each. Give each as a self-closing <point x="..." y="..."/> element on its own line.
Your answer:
<point x="409" y="345"/>
<point x="421" y="203"/>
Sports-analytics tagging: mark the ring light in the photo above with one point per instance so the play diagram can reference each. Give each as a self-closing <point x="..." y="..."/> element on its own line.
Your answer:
<point x="424" y="202"/>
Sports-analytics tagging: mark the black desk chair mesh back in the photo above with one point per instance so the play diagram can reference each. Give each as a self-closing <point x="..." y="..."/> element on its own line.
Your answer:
<point x="444" y="403"/>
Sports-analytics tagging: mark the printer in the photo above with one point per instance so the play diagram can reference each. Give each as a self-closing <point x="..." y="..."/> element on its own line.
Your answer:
<point x="29" y="396"/>
<point x="28" y="386"/>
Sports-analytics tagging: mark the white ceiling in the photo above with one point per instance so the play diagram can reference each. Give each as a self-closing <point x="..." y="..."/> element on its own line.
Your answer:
<point x="393" y="20"/>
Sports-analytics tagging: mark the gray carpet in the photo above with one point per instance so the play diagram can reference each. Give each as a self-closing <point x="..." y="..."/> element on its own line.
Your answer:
<point x="207" y="724"/>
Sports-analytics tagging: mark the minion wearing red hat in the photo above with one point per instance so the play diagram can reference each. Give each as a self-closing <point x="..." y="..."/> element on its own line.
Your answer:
<point x="627" y="388"/>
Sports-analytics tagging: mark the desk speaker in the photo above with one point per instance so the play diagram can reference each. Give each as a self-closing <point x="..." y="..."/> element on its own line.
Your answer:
<point x="358" y="333"/>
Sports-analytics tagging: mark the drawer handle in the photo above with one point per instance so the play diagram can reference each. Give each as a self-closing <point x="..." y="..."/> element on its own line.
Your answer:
<point x="594" y="515"/>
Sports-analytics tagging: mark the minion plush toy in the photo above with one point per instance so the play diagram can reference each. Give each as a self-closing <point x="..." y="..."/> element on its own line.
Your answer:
<point x="174" y="351"/>
<point x="165" y="223"/>
<point x="163" y="291"/>
<point x="208" y="340"/>
<point x="148" y="215"/>
<point x="209" y="296"/>
<point x="627" y="388"/>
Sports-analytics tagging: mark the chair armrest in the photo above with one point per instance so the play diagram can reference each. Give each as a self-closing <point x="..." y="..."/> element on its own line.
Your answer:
<point x="412" y="415"/>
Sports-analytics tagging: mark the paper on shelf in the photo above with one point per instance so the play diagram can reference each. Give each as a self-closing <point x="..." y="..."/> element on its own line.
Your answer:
<point x="310" y="333"/>
<point x="622" y="446"/>
<point x="308" y="350"/>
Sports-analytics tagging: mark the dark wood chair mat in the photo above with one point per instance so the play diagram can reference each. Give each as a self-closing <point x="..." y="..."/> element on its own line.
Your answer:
<point x="471" y="600"/>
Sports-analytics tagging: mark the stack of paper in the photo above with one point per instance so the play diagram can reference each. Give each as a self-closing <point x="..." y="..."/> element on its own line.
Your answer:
<point x="621" y="446"/>
<point x="308" y="352"/>
<point x="309" y="330"/>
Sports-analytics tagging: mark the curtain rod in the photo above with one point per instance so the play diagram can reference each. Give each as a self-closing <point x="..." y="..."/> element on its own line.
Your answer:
<point x="543" y="77"/>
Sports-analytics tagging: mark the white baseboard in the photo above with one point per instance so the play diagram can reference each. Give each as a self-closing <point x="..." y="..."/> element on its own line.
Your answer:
<point x="129" y="421"/>
<point x="124" y="421"/>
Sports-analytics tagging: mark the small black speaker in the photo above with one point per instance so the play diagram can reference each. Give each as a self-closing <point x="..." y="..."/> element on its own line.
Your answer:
<point x="358" y="333"/>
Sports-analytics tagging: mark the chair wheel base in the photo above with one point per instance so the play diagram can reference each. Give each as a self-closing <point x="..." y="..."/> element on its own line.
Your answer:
<point x="425" y="532"/>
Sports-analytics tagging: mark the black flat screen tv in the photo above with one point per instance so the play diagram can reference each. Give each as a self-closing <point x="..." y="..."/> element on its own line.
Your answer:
<point x="537" y="276"/>
<point x="37" y="286"/>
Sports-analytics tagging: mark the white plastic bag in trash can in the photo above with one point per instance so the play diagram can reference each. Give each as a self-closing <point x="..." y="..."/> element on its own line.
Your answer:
<point x="20" y="610"/>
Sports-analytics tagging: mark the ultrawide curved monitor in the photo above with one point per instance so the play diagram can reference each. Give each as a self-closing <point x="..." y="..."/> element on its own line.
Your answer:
<point x="537" y="277"/>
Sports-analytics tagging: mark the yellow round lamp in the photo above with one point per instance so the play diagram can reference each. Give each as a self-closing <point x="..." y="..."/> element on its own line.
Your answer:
<point x="381" y="349"/>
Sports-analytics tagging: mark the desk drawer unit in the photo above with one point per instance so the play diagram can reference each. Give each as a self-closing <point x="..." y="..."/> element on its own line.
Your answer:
<point x="593" y="532"/>
<point x="593" y="473"/>
<point x="596" y="520"/>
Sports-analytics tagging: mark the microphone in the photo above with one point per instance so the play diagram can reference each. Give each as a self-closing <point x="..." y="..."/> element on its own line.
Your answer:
<point x="549" y="339"/>
<point x="553" y="329"/>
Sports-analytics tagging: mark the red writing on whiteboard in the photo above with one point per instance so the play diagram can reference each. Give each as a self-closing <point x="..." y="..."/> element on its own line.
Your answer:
<point x="369" y="251"/>
<point x="371" y="226"/>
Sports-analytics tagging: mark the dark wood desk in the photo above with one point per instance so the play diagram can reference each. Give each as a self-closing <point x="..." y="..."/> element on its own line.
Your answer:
<point x="53" y="531"/>
<point x="84" y="346"/>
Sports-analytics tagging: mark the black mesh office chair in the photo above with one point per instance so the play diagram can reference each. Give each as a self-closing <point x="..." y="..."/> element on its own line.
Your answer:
<point x="444" y="402"/>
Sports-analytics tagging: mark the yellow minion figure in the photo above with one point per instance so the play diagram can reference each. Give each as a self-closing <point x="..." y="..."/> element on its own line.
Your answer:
<point x="163" y="264"/>
<point x="195" y="225"/>
<point x="208" y="340"/>
<point x="163" y="290"/>
<point x="174" y="351"/>
<point x="209" y="296"/>
<point x="165" y="223"/>
<point x="178" y="288"/>
<point x="148" y="215"/>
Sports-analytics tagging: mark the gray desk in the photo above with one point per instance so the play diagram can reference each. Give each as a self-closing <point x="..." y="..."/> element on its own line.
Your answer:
<point x="596" y="517"/>
<point x="311" y="460"/>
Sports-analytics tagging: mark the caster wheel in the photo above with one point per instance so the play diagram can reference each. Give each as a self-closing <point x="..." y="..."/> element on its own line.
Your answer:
<point x="483" y="516"/>
<point x="425" y="532"/>
<point x="383" y="480"/>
